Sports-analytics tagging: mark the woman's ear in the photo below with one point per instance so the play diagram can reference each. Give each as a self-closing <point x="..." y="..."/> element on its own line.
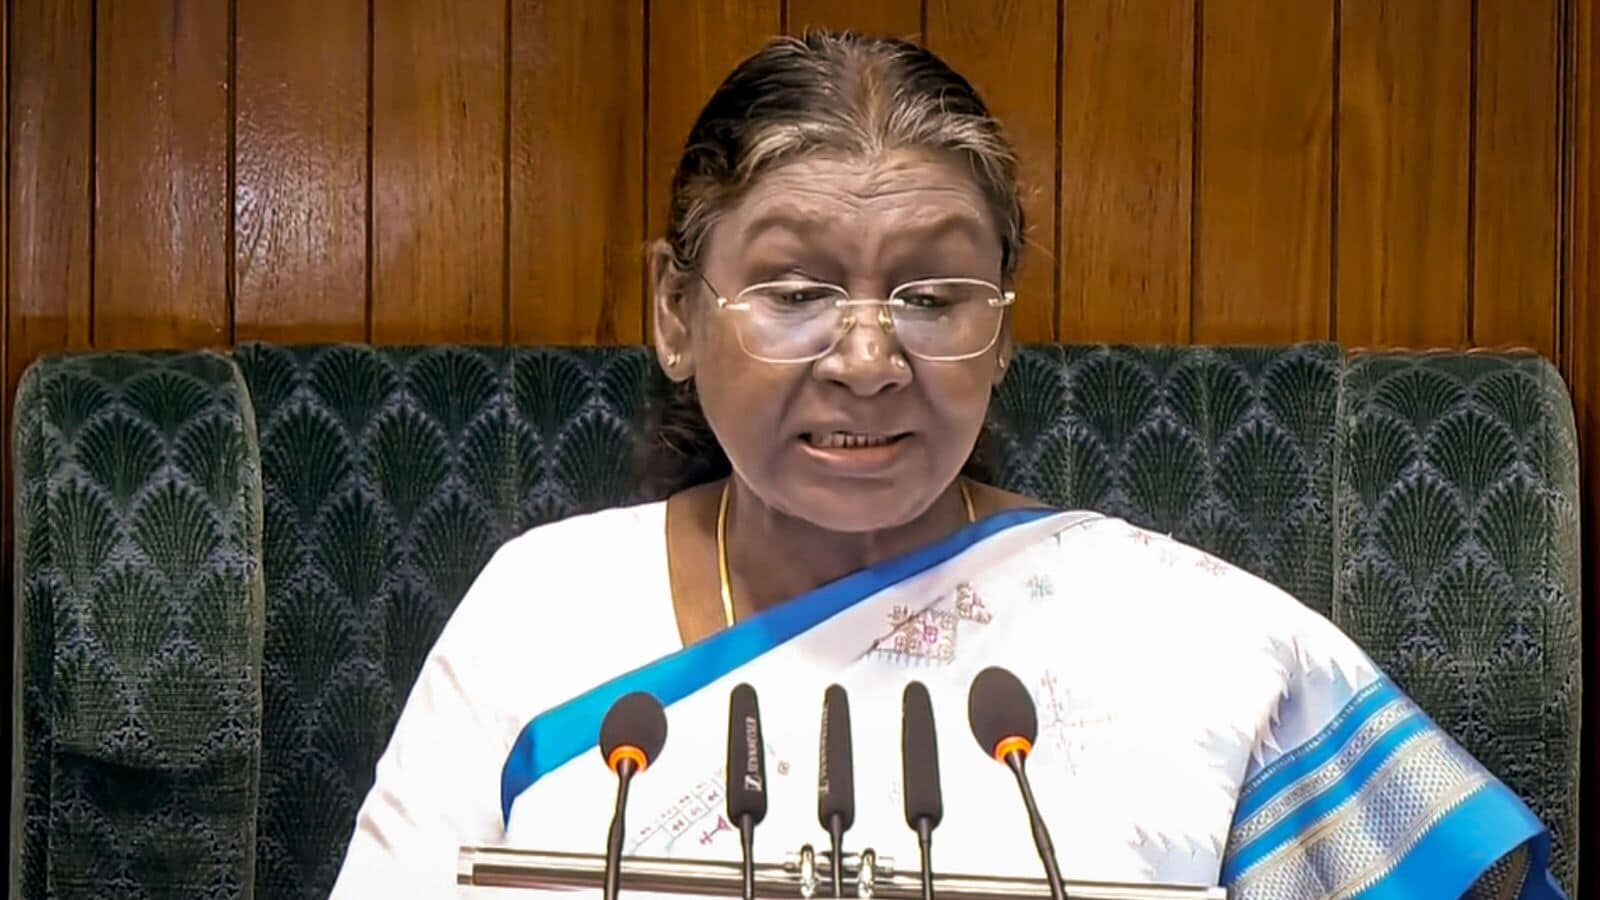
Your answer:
<point x="669" y="311"/>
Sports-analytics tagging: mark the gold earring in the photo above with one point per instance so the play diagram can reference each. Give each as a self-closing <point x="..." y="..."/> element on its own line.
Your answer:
<point x="672" y="359"/>
<point x="1003" y="363"/>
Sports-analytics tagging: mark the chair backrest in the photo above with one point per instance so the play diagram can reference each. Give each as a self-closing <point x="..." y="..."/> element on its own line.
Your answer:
<point x="1425" y="502"/>
<point x="136" y="715"/>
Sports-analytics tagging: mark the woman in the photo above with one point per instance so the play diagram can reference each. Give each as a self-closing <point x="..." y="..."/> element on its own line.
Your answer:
<point x="832" y="294"/>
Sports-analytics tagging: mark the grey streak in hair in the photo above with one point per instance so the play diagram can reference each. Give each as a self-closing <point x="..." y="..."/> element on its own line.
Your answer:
<point x="836" y="93"/>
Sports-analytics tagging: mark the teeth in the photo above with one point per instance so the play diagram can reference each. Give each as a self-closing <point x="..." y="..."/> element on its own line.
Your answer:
<point x="845" y="440"/>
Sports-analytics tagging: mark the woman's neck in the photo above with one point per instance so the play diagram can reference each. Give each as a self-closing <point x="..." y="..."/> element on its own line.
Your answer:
<point x="773" y="556"/>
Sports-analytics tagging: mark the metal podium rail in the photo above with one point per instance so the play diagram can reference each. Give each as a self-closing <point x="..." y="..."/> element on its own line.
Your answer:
<point x="804" y="874"/>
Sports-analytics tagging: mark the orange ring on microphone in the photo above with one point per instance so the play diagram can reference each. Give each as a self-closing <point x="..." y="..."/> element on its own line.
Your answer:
<point x="1010" y="745"/>
<point x="627" y="751"/>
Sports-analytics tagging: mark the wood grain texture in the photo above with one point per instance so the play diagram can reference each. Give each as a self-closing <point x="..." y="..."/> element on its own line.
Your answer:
<point x="161" y="172"/>
<point x="47" y="213"/>
<point x="694" y="44"/>
<point x="1581" y="365"/>
<point x="885" y="18"/>
<point x="300" y="170"/>
<point x="5" y="320"/>
<point x="1008" y="51"/>
<point x="7" y="564"/>
<point x="438" y="171"/>
<point x="1264" y="184"/>
<point x="1404" y="134"/>
<point x="51" y="154"/>
<point x="1514" y="226"/>
<point x="577" y="258"/>
<point x="1127" y="116"/>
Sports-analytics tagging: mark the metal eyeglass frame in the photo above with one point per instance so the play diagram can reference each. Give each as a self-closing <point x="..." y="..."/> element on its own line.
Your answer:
<point x="1001" y="300"/>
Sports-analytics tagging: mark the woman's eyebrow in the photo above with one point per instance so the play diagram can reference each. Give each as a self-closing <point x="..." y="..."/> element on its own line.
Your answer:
<point x="939" y="225"/>
<point x="805" y="223"/>
<point x="795" y="220"/>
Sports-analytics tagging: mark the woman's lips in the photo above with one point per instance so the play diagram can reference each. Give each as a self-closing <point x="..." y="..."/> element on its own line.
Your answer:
<point x="854" y="452"/>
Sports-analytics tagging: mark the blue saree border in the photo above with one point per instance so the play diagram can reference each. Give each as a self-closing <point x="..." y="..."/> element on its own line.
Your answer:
<point x="1460" y="848"/>
<point x="1314" y="753"/>
<point x="562" y="733"/>
<point x="1447" y="858"/>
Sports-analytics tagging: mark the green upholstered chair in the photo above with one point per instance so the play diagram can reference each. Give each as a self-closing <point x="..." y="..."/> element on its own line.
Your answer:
<point x="230" y="566"/>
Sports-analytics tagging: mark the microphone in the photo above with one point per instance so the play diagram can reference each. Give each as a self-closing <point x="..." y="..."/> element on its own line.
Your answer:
<point x="919" y="754"/>
<point x="746" y="775"/>
<point x="836" y="792"/>
<point x="1005" y="724"/>
<point x="631" y="737"/>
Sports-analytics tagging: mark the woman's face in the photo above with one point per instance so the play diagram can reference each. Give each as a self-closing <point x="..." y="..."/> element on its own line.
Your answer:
<point x="865" y="437"/>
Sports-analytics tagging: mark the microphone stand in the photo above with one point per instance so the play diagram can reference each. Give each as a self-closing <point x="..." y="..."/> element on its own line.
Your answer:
<point x="836" y="839"/>
<point x="747" y="837"/>
<point x="925" y="845"/>
<point x="1041" y="836"/>
<point x="625" y="771"/>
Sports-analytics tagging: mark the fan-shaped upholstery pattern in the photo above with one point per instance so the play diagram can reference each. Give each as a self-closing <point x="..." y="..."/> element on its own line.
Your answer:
<point x="1425" y="502"/>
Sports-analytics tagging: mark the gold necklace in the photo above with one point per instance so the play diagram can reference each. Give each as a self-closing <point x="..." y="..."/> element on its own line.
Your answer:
<point x="722" y="542"/>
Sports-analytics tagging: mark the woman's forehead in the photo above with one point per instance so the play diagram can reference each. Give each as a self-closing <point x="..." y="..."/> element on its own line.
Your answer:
<point x="898" y="190"/>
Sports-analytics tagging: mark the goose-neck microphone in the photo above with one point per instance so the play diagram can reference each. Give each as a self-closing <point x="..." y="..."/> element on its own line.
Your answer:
<point x="919" y="755"/>
<point x="836" y="792"/>
<point x="631" y="737"/>
<point x="1004" y="722"/>
<point x="746" y="776"/>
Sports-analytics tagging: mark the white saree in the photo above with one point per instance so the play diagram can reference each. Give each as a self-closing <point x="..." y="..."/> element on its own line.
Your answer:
<point x="1197" y="725"/>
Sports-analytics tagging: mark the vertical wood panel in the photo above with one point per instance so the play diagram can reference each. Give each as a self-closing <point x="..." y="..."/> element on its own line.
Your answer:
<point x="885" y="18"/>
<point x="1127" y="115"/>
<point x="693" y="46"/>
<point x="48" y="217"/>
<point x="438" y="171"/>
<point x="300" y="183"/>
<point x="1514" y="176"/>
<point x="5" y="321"/>
<point x="1008" y="51"/>
<point x="1581" y="338"/>
<point x="161" y="157"/>
<point x="51" y="154"/>
<point x="7" y="564"/>
<point x="1264" y="194"/>
<point x="1402" y="173"/>
<point x="576" y="169"/>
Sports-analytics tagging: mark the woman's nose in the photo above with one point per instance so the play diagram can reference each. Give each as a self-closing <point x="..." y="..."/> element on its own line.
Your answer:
<point x="868" y="358"/>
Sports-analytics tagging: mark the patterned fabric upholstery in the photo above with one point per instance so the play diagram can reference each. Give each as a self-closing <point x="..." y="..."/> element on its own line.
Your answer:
<point x="1457" y="527"/>
<point x="1424" y="502"/>
<point x="1230" y="450"/>
<point x="389" y="477"/>
<point x="140" y="627"/>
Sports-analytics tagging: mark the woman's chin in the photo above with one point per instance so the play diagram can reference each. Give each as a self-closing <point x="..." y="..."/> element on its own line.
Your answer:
<point x="860" y="508"/>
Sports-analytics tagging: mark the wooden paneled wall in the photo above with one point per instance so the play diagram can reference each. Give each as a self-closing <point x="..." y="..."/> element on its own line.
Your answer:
<point x="1580" y="355"/>
<point x="1370" y="171"/>
<point x="1377" y="172"/>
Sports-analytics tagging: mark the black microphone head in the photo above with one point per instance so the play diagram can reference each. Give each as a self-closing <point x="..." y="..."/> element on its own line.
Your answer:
<point x="635" y="721"/>
<point x="919" y="754"/>
<point x="1002" y="714"/>
<point x="836" y="785"/>
<point x="747" y="764"/>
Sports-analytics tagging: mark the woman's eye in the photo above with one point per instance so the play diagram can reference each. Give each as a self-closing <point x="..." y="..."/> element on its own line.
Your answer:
<point x="803" y="296"/>
<point x="925" y="300"/>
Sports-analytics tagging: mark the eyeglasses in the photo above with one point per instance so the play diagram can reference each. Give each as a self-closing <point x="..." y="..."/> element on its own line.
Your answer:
<point x="936" y="319"/>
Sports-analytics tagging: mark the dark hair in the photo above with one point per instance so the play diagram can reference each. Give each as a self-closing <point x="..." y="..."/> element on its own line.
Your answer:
<point x="824" y="92"/>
